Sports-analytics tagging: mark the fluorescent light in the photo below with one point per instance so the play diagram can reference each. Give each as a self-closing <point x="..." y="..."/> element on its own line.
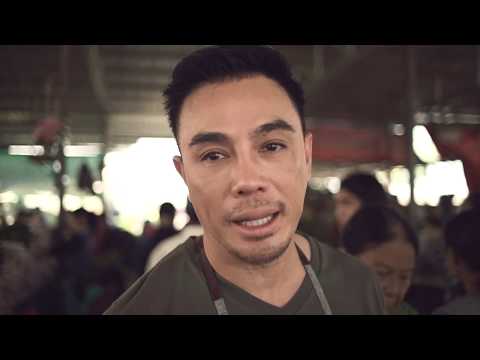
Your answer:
<point x="400" y="184"/>
<point x="317" y="183"/>
<point x="26" y="150"/>
<point x="332" y="184"/>
<point x="70" y="150"/>
<point x="8" y="197"/>
<point x="398" y="129"/>
<point x="46" y="201"/>
<point x="423" y="145"/>
<point x="72" y="202"/>
<point x="428" y="190"/>
<point x="93" y="204"/>
<point x="10" y="220"/>
<point x="82" y="150"/>
<point x="97" y="187"/>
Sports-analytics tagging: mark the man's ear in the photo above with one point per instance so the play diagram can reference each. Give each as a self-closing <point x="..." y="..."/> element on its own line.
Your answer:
<point x="178" y="162"/>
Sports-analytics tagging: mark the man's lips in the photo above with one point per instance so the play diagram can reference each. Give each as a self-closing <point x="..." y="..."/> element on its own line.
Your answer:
<point x="258" y="225"/>
<point x="257" y="215"/>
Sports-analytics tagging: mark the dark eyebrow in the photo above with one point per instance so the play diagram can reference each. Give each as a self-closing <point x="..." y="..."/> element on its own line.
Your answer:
<point x="278" y="124"/>
<point x="208" y="137"/>
<point x="216" y="137"/>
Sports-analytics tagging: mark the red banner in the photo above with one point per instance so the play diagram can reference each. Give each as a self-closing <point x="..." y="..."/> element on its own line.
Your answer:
<point x="346" y="144"/>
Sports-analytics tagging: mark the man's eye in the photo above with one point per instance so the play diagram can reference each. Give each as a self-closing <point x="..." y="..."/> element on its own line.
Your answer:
<point x="212" y="156"/>
<point x="272" y="147"/>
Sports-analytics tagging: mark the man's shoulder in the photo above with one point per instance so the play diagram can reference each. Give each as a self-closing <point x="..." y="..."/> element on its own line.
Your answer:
<point x="152" y="292"/>
<point x="337" y="261"/>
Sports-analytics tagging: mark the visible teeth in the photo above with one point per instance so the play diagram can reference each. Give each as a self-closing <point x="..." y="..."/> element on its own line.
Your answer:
<point x="258" y="222"/>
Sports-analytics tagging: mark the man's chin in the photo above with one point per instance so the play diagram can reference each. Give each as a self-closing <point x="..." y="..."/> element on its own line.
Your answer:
<point x="260" y="254"/>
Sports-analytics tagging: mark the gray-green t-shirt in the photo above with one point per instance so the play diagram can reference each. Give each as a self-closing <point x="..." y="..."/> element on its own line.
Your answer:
<point x="177" y="286"/>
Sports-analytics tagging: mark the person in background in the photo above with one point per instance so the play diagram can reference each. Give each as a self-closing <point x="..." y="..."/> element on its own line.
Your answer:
<point x="193" y="228"/>
<point x="26" y="264"/>
<point x="472" y="202"/>
<point x="143" y="241"/>
<point x="318" y="219"/>
<point x="383" y="240"/>
<point x="430" y="280"/>
<point x="71" y="248"/>
<point x="114" y="265"/>
<point x="149" y="230"/>
<point x="165" y="230"/>
<point x="356" y="190"/>
<point x="463" y="262"/>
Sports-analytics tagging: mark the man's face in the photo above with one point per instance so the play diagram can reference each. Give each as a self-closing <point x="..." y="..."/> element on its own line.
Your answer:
<point x="246" y="163"/>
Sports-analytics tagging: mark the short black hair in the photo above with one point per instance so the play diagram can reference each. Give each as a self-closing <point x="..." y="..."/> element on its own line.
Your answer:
<point x="372" y="226"/>
<point x="462" y="237"/>
<point x="366" y="187"/>
<point x="167" y="209"/>
<point x="216" y="64"/>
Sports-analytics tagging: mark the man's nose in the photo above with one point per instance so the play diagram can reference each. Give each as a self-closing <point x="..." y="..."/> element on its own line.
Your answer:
<point x="247" y="178"/>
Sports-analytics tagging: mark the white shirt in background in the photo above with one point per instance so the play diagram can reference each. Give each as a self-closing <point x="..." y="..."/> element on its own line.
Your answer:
<point x="169" y="244"/>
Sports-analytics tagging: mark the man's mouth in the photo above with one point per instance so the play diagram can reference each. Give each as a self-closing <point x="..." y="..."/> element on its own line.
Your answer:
<point x="257" y="222"/>
<point x="257" y="226"/>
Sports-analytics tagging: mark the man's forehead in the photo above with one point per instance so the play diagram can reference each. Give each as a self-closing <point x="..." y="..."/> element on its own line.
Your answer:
<point x="236" y="95"/>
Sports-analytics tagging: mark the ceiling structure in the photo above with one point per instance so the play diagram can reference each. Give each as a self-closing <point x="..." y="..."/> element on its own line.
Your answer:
<point x="113" y="92"/>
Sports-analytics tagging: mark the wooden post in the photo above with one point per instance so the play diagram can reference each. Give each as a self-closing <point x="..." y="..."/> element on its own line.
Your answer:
<point x="413" y="108"/>
<point x="61" y="112"/>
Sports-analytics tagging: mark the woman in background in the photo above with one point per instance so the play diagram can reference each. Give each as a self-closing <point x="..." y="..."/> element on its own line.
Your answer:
<point x="384" y="241"/>
<point x="463" y="262"/>
<point x="356" y="190"/>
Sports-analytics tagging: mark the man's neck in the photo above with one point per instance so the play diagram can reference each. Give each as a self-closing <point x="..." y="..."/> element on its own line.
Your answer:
<point x="275" y="283"/>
